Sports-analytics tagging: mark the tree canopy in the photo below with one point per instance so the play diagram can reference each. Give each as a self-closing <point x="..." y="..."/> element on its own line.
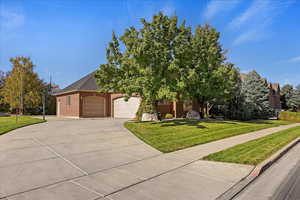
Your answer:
<point x="208" y="78"/>
<point x="147" y="65"/>
<point x="22" y="87"/>
<point x="286" y="94"/>
<point x="294" y="102"/>
<point x="255" y="92"/>
<point x="165" y="60"/>
<point x="290" y="97"/>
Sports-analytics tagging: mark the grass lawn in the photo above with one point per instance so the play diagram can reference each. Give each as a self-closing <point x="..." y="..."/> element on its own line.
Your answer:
<point x="256" y="151"/>
<point x="9" y="123"/>
<point x="168" y="136"/>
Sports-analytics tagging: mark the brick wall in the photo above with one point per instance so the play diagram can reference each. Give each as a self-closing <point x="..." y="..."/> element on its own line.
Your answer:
<point x="64" y="108"/>
<point x="274" y="99"/>
<point x="76" y="101"/>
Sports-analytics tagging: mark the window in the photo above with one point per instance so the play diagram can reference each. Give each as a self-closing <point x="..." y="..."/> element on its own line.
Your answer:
<point x="68" y="100"/>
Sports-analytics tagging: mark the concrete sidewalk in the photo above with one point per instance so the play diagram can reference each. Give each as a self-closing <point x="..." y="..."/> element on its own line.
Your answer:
<point x="72" y="160"/>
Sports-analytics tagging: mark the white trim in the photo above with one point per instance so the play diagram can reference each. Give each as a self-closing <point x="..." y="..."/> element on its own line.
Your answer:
<point x="58" y="109"/>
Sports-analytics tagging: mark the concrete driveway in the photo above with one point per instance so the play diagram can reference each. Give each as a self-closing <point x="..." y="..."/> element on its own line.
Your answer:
<point x="68" y="159"/>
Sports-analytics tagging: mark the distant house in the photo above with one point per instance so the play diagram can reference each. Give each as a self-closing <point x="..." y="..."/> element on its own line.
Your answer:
<point x="274" y="94"/>
<point x="81" y="99"/>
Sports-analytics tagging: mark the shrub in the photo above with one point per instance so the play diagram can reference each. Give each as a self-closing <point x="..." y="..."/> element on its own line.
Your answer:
<point x="168" y="116"/>
<point x="290" y="116"/>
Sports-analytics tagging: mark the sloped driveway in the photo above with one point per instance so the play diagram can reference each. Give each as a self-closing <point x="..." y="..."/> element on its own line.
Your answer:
<point x="63" y="149"/>
<point x="91" y="159"/>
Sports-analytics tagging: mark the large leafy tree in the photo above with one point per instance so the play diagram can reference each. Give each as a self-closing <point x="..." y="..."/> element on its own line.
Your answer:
<point x="166" y="61"/>
<point x="22" y="89"/>
<point x="145" y="62"/>
<point x="208" y="78"/>
<point x="255" y="92"/>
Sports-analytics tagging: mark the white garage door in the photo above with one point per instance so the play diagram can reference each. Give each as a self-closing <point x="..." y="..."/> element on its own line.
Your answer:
<point x="126" y="109"/>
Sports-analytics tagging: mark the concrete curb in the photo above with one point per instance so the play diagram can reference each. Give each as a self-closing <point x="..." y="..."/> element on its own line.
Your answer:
<point x="256" y="172"/>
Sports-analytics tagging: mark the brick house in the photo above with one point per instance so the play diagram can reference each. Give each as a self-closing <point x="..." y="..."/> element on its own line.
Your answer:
<point x="81" y="99"/>
<point x="274" y="96"/>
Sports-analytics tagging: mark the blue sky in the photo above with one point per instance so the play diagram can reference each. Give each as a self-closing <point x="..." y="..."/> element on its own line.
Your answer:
<point x="67" y="38"/>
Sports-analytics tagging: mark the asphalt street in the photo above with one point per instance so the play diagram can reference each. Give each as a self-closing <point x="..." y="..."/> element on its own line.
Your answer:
<point x="290" y="187"/>
<point x="280" y="182"/>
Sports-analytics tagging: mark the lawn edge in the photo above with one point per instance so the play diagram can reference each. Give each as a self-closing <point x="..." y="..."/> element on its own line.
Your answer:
<point x="257" y="171"/>
<point x="136" y="133"/>
<point x="43" y="121"/>
<point x="141" y="138"/>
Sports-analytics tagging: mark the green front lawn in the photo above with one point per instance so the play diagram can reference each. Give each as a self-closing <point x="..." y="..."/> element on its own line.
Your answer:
<point x="9" y="123"/>
<point x="168" y="136"/>
<point x="256" y="151"/>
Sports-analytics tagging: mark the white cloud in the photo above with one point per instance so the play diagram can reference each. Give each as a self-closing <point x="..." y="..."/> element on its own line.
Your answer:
<point x="258" y="10"/>
<point x="215" y="7"/>
<point x="294" y="60"/>
<point x="251" y="35"/>
<point x="257" y="19"/>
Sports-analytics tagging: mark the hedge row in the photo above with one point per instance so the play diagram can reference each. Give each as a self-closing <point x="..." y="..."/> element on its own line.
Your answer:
<point x="290" y="116"/>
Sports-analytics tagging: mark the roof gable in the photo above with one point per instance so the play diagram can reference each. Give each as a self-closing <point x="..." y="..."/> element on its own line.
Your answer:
<point x="88" y="82"/>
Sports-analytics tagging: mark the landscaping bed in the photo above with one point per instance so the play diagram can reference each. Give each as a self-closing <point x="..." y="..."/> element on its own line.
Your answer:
<point x="9" y="123"/>
<point x="168" y="136"/>
<point x="256" y="151"/>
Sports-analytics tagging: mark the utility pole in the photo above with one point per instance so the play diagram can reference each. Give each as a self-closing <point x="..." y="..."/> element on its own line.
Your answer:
<point x="21" y="109"/>
<point x="44" y="103"/>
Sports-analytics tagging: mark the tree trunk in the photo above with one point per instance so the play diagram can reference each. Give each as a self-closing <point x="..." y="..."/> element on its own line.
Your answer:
<point x="208" y="108"/>
<point x="202" y="107"/>
<point x="146" y="107"/>
<point x="195" y="105"/>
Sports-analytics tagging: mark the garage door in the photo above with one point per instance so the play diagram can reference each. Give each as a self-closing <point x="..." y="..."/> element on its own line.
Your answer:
<point x="93" y="106"/>
<point x="126" y="109"/>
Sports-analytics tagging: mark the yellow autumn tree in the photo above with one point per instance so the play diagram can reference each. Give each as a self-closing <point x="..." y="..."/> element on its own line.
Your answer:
<point x="22" y="87"/>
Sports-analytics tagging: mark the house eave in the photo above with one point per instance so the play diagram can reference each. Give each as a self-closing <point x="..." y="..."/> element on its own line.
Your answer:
<point x="72" y="91"/>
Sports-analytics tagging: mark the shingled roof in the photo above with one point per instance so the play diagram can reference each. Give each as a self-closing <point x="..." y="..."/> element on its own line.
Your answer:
<point x="87" y="83"/>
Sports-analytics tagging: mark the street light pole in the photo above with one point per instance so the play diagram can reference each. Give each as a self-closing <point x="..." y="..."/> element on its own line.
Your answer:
<point x="44" y="103"/>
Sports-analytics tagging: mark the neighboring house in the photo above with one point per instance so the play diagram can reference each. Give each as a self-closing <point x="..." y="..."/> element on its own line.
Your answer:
<point x="81" y="99"/>
<point x="274" y="96"/>
<point x="274" y="93"/>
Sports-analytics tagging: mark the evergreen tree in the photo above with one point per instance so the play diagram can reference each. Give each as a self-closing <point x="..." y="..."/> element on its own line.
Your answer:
<point x="286" y="95"/>
<point x="255" y="93"/>
<point x="295" y="99"/>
